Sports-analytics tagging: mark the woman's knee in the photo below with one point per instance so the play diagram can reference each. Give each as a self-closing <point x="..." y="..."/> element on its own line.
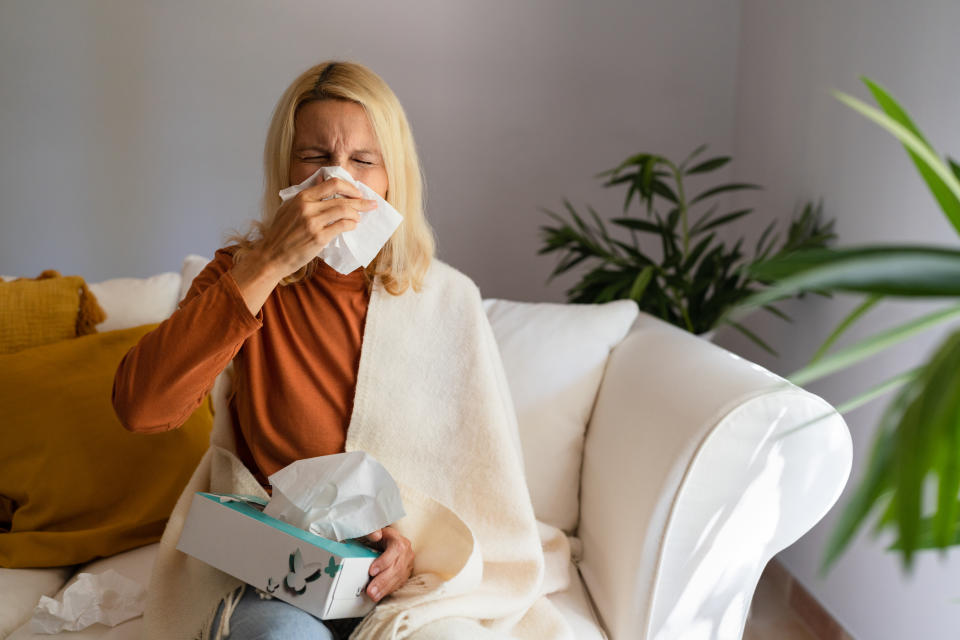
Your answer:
<point x="285" y="625"/>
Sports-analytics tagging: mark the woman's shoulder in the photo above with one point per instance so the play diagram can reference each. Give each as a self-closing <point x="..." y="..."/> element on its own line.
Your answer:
<point x="201" y="277"/>
<point x="226" y="252"/>
<point x="214" y="268"/>
<point x="222" y="259"/>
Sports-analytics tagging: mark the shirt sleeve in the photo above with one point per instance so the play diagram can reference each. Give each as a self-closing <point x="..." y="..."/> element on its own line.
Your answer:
<point x="165" y="376"/>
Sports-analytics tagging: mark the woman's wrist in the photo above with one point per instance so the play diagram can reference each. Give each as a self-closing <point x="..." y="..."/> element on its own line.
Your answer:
<point x="256" y="277"/>
<point x="268" y="266"/>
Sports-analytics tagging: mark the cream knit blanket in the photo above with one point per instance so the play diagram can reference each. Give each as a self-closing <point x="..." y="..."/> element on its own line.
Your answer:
<point x="433" y="406"/>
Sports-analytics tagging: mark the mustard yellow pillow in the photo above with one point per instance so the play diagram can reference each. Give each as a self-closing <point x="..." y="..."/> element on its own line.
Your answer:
<point x="47" y="309"/>
<point x="74" y="484"/>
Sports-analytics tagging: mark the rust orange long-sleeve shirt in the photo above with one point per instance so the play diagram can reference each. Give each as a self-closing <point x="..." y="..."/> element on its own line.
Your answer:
<point x="295" y="370"/>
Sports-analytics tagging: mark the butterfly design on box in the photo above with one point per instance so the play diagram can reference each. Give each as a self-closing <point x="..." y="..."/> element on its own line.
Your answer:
<point x="300" y="574"/>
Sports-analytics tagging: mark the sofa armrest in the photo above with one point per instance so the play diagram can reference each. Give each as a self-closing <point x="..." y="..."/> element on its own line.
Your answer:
<point x="695" y="474"/>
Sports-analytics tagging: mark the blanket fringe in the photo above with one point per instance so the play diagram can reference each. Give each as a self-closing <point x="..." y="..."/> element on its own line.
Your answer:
<point x="230" y="602"/>
<point x="389" y="619"/>
<point x="264" y="595"/>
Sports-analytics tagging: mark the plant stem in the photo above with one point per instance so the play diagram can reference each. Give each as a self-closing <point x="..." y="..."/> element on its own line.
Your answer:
<point x="633" y="232"/>
<point x="678" y="300"/>
<point x="686" y="318"/>
<point x="636" y="242"/>
<point x="682" y="208"/>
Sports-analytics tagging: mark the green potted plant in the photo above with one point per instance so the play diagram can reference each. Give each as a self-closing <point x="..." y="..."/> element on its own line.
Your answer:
<point x="918" y="439"/>
<point x="696" y="277"/>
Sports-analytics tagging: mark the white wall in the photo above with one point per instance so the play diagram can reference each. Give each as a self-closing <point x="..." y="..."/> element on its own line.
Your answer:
<point x="796" y="139"/>
<point x="132" y="132"/>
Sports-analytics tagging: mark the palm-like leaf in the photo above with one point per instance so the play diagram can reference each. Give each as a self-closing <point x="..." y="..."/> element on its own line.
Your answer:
<point x="944" y="184"/>
<point x="907" y="271"/>
<point x="876" y="482"/>
<point x="918" y="438"/>
<point x="873" y="345"/>
<point x="708" y="165"/>
<point x="845" y="324"/>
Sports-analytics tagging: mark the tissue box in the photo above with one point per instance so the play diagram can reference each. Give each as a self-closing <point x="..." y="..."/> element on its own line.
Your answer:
<point x="323" y="577"/>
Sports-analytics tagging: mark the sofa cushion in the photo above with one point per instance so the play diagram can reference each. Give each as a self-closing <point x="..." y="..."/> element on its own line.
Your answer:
<point x="131" y="302"/>
<point x="76" y="483"/>
<point x="554" y="356"/>
<point x="49" y="308"/>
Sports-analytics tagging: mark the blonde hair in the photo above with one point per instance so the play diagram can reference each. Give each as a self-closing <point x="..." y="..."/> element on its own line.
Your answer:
<point x="404" y="259"/>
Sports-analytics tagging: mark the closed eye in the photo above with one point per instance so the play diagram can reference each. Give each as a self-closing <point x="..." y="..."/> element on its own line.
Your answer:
<point x="325" y="157"/>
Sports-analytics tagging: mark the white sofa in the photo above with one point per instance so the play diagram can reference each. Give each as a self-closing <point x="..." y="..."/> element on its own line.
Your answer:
<point x="695" y="467"/>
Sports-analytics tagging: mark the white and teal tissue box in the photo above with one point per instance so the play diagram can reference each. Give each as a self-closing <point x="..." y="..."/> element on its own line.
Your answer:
<point x="325" y="578"/>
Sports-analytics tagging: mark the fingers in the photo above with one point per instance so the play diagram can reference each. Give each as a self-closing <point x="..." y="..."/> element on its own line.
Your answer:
<point x="332" y="220"/>
<point x="315" y="202"/>
<point x="334" y="209"/>
<point x="393" y="567"/>
<point x="374" y="536"/>
<point x="391" y="553"/>
<point x="304" y="224"/>
<point x="329" y="187"/>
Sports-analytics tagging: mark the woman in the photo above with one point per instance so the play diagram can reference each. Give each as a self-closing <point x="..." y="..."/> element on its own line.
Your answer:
<point x="325" y="362"/>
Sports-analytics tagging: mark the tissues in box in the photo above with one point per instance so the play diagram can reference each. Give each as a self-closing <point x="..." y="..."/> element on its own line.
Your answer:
<point x="323" y="577"/>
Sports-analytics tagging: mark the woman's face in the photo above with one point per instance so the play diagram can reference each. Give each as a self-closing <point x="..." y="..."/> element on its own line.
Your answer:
<point x="336" y="132"/>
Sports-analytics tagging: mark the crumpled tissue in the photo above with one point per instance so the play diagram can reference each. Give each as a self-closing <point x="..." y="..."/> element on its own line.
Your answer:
<point x="352" y="249"/>
<point x="109" y="598"/>
<point x="337" y="496"/>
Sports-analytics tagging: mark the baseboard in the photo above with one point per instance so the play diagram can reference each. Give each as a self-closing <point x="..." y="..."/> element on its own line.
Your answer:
<point x="800" y="601"/>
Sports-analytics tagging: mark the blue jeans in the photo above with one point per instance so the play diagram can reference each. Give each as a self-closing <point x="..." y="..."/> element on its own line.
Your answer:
<point x="266" y="619"/>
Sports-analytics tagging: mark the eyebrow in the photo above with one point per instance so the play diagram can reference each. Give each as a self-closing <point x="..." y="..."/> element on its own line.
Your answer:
<point x="325" y="150"/>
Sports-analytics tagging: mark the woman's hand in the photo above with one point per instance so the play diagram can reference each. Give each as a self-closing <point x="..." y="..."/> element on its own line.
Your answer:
<point x="306" y="223"/>
<point x="303" y="226"/>
<point x="394" y="565"/>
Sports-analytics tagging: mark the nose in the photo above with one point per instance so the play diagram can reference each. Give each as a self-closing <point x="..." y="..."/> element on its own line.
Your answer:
<point x="342" y="161"/>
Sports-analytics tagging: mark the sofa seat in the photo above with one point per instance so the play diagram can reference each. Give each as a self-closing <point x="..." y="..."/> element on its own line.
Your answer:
<point x="30" y="584"/>
<point x="135" y="564"/>
<point x="574" y="603"/>
<point x="21" y="590"/>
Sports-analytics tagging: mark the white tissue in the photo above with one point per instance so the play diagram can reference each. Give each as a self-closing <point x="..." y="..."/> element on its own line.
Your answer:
<point x="350" y="250"/>
<point x="108" y="598"/>
<point x="337" y="496"/>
